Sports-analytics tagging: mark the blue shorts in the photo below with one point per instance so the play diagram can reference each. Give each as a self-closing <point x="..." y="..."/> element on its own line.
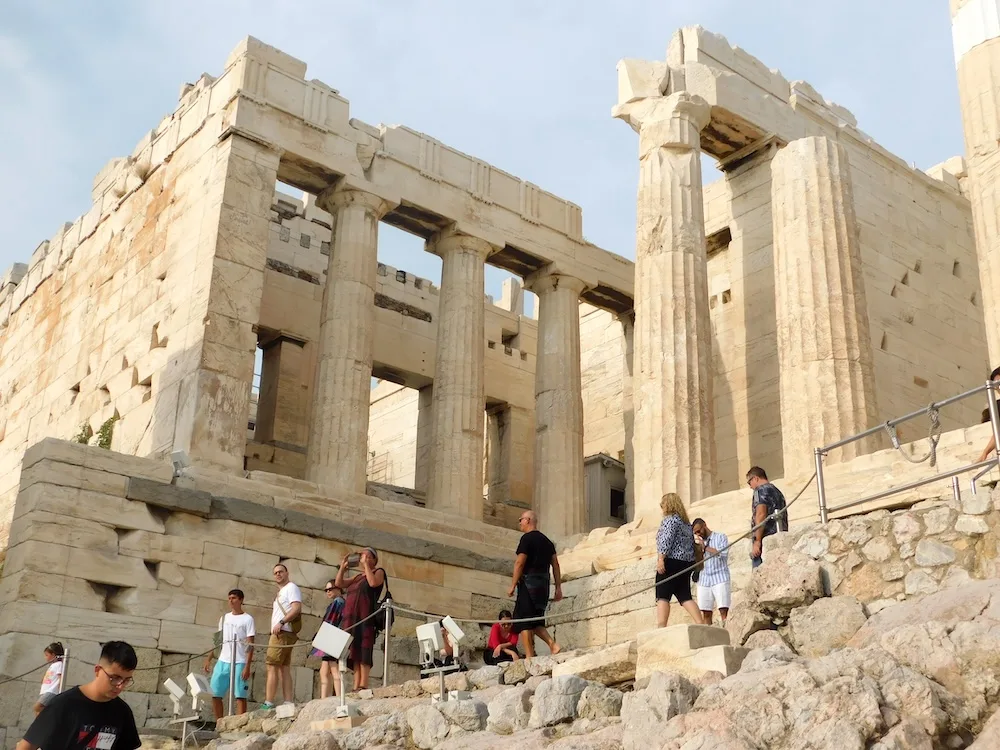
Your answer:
<point x="220" y="680"/>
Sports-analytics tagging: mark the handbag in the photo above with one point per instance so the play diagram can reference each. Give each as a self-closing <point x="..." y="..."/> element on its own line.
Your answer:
<point x="295" y="623"/>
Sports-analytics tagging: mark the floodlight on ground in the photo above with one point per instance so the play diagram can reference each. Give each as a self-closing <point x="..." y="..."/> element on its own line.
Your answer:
<point x="431" y="641"/>
<point x="176" y="694"/>
<point x="333" y="641"/>
<point x="199" y="686"/>
<point x="455" y="633"/>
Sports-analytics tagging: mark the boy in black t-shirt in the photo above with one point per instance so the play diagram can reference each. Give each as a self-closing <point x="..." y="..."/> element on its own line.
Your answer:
<point x="535" y="553"/>
<point x="92" y="716"/>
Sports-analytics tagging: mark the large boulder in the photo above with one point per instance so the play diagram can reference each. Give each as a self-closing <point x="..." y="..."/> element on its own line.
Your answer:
<point x="556" y="701"/>
<point x="320" y="740"/>
<point x="767" y="639"/>
<point x="989" y="737"/>
<point x="597" y="702"/>
<point x="427" y="726"/>
<point x="387" y="729"/>
<point x="848" y="700"/>
<point x="469" y="715"/>
<point x="514" y="672"/>
<point x="825" y="625"/>
<point x="645" y="711"/>
<point x="485" y="677"/>
<point x="743" y="622"/>
<point x="787" y="579"/>
<point x="608" y="666"/>
<point x="254" y="741"/>
<point x="509" y="711"/>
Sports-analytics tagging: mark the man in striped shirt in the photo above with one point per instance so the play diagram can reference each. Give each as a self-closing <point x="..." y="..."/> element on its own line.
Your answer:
<point x="714" y="585"/>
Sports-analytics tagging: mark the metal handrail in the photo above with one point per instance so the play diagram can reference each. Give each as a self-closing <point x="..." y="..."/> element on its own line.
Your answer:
<point x="985" y="466"/>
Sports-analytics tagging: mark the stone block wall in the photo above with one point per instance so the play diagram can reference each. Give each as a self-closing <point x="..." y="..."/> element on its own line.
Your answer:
<point x="108" y="546"/>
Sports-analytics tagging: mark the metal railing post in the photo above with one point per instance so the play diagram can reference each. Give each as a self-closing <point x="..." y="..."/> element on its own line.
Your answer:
<point x="994" y="415"/>
<point x="388" y="629"/>
<point x="956" y="490"/>
<point x="820" y="485"/>
<point x="65" y="667"/>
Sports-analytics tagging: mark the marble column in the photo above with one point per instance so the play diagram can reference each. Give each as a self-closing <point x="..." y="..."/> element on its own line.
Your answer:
<point x="338" y="428"/>
<point x="458" y="407"/>
<point x="628" y="408"/>
<point x="827" y="380"/>
<point x="558" y="493"/>
<point x="674" y="443"/>
<point x="977" y="58"/>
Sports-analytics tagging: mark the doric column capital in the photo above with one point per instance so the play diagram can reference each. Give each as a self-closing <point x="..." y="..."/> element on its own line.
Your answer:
<point x="674" y="121"/>
<point x="450" y="240"/>
<point x="336" y="197"/>
<point x="549" y="279"/>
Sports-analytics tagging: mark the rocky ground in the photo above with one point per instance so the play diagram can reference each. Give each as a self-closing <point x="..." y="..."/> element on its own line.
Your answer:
<point x="824" y="674"/>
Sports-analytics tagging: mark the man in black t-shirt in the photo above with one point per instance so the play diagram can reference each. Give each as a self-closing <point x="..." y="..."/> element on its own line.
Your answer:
<point x="92" y="716"/>
<point x="535" y="554"/>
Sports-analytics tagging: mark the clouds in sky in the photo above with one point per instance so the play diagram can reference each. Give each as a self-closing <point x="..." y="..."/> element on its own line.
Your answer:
<point x="527" y="86"/>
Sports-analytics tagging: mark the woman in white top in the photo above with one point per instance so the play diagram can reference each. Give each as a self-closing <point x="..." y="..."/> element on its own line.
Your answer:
<point x="53" y="676"/>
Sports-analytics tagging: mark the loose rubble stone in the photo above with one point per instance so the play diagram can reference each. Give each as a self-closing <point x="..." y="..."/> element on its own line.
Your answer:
<point x="556" y="701"/>
<point x="514" y="672"/>
<point x="744" y="622"/>
<point x="534" y="682"/>
<point x="971" y="525"/>
<point x="540" y="665"/>
<point x="608" y="666"/>
<point x="427" y="725"/>
<point x="977" y="505"/>
<point x="256" y="741"/>
<point x="878" y="549"/>
<point x="485" y="677"/>
<point x="644" y="712"/>
<point x="920" y="582"/>
<point x="905" y="528"/>
<point x="388" y="729"/>
<point x="509" y="711"/>
<point x="786" y="580"/>
<point x="320" y="740"/>
<point x="931" y="553"/>
<point x="469" y="715"/>
<point x="815" y="544"/>
<point x="767" y="639"/>
<point x="825" y="625"/>
<point x="598" y="702"/>
<point x="855" y="531"/>
<point x="453" y="681"/>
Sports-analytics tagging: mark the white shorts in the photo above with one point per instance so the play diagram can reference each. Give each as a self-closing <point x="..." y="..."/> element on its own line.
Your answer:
<point x="710" y="597"/>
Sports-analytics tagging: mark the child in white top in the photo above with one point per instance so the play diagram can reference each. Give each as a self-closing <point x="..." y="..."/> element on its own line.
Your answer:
<point x="50" y="683"/>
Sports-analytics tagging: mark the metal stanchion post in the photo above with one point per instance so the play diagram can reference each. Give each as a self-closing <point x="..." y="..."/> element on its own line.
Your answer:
<point x="232" y="674"/>
<point x="994" y="415"/>
<point x="820" y="485"/>
<point x="65" y="666"/>
<point x="956" y="489"/>
<point x="388" y="629"/>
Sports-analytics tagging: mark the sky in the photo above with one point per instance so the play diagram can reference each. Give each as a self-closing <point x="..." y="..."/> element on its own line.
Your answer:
<point x="526" y="86"/>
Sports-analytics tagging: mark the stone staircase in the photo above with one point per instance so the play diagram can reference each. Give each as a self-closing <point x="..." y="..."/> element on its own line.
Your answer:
<point x="690" y="650"/>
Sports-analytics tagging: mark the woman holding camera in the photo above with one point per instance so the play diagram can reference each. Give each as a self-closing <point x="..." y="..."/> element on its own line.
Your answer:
<point x="361" y="601"/>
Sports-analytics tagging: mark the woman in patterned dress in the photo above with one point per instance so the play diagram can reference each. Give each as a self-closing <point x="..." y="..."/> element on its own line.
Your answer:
<point x="674" y="552"/>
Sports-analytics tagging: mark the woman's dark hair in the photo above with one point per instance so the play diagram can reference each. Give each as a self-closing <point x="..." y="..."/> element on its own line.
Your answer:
<point x="505" y="613"/>
<point x="56" y="649"/>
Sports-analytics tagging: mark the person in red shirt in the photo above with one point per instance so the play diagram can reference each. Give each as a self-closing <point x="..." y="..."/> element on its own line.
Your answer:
<point x="502" y="644"/>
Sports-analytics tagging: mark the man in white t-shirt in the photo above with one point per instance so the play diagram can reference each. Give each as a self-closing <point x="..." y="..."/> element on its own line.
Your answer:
<point x="237" y="631"/>
<point x="286" y="621"/>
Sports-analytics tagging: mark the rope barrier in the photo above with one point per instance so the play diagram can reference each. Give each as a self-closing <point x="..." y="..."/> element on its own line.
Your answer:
<point x="933" y="437"/>
<point x="645" y="586"/>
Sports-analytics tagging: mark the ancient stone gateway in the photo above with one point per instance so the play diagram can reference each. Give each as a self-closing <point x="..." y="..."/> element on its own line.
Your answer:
<point x="820" y="285"/>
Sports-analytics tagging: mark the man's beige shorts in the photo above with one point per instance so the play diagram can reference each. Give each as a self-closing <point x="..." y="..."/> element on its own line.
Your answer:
<point x="280" y="657"/>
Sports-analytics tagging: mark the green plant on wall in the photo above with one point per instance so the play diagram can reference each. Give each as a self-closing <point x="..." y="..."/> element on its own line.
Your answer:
<point x="105" y="433"/>
<point x="84" y="435"/>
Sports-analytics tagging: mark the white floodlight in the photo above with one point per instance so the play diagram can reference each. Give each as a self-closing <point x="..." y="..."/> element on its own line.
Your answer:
<point x="176" y="694"/>
<point x="199" y="687"/>
<point x="333" y="641"/>
<point x="455" y="633"/>
<point x="431" y="641"/>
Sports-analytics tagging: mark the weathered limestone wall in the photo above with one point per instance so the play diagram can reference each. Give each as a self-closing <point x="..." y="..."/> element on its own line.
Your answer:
<point x="106" y="547"/>
<point x="129" y="313"/>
